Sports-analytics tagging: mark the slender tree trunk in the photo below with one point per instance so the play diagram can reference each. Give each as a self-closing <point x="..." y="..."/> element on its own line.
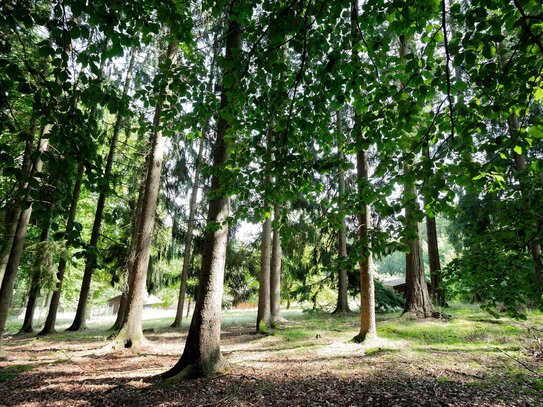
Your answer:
<point x="188" y="239"/>
<point x="6" y="292"/>
<point x="437" y="290"/>
<point x="368" y="331"/>
<point x="263" y="317"/>
<point x="136" y="225"/>
<point x="131" y="332"/>
<point x="275" y="268"/>
<point x="520" y="163"/>
<point x="49" y="326"/>
<point x="12" y="216"/>
<point x="90" y="264"/>
<point x="34" y="290"/>
<point x="342" y="305"/>
<point x="202" y="353"/>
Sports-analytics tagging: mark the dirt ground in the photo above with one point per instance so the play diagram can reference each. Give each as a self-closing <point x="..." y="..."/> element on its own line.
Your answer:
<point x="324" y="369"/>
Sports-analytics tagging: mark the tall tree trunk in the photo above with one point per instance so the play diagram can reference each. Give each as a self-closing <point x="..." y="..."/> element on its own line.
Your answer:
<point x="520" y="163"/>
<point x="90" y="264"/>
<point x="417" y="297"/>
<point x="12" y="215"/>
<point x="437" y="290"/>
<point x="136" y="222"/>
<point x="6" y="292"/>
<point x="368" y="331"/>
<point x="342" y="305"/>
<point x="131" y="332"/>
<point x="275" y="268"/>
<point x="34" y="291"/>
<point x="49" y="326"/>
<point x="202" y="353"/>
<point x="188" y="239"/>
<point x="263" y="317"/>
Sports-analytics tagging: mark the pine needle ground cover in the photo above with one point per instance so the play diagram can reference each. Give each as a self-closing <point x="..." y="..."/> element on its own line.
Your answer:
<point x="471" y="360"/>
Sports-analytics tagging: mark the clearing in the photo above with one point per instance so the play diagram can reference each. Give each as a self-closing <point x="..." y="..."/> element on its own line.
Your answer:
<point x="472" y="360"/>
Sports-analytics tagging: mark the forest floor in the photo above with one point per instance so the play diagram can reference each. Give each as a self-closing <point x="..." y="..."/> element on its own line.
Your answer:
<point x="472" y="360"/>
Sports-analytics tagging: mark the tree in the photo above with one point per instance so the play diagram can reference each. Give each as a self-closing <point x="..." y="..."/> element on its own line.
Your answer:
<point x="202" y="355"/>
<point x="131" y="332"/>
<point x="368" y="330"/>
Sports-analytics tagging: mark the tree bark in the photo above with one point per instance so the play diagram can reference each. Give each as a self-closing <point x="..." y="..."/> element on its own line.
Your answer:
<point x="188" y="239"/>
<point x="368" y="330"/>
<point x="90" y="264"/>
<point x="275" y="268"/>
<point x="417" y="297"/>
<point x="263" y="316"/>
<point x="437" y="290"/>
<point x="136" y="224"/>
<point x="520" y="163"/>
<point x="34" y="291"/>
<point x="202" y="353"/>
<point x="12" y="216"/>
<point x="342" y="306"/>
<point x="6" y="292"/>
<point x="131" y="332"/>
<point x="49" y="326"/>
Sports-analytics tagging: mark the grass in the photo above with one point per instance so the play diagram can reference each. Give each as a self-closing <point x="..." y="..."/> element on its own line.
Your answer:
<point x="10" y="372"/>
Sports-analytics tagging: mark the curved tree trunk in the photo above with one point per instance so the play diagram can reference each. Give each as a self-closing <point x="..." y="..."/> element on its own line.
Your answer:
<point x="6" y="292"/>
<point x="188" y="239"/>
<point x="202" y="353"/>
<point x="90" y="264"/>
<point x="131" y="332"/>
<point x="275" y="268"/>
<point x="49" y="326"/>
<point x="34" y="290"/>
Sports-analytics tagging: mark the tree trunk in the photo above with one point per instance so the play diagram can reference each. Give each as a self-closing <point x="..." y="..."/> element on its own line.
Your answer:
<point x="520" y="163"/>
<point x="202" y="353"/>
<point x="263" y="316"/>
<point x="49" y="326"/>
<point x="12" y="215"/>
<point x="368" y="331"/>
<point x="90" y="264"/>
<point x="275" y="268"/>
<point x="342" y="305"/>
<point x="188" y="239"/>
<point x="437" y="290"/>
<point x="34" y="291"/>
<point x="417" y="298"/>
<point x="136" y="222"/>
<point x="131" y="332"/>
<point x="6" y="292"/>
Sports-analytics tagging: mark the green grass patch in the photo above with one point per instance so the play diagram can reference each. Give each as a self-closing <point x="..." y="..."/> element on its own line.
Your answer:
<point x="9" y="373"/>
